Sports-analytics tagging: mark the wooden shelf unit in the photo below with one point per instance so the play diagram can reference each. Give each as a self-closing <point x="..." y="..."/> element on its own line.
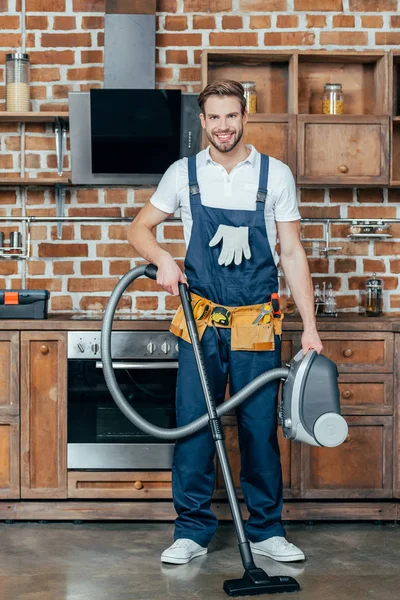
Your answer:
<point x="394" y="98"/>
<point x="32" y="117"/>
<point x="32" y="181"/>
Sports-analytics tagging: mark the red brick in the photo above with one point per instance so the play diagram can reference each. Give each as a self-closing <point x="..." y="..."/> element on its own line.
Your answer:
<point x="52" y="57"/>
<point x="203" y="22"/>
<point x="173" y="232"/>
<point x="260" y="22"/>
<point x="61" y="303"/>
<point x="87" y="196"/>
<point x="341" y="195"/>
<point x="91" y="232"/>
<point x="312" y="195"/>
<point x="176" y="57"/>
<point x="10" y="22"/>
<point x="234" y="39"/>
<point x="391" y="38"/>
<point x="36" y="267"/>
<point x="345" y="265"/>
<point x="116" y="251"/>
<point x="66" y="23"/>
<point x="289" y="38"/>
<point x="311" y="231"/>
<point x="116" y="196"/>
<point x="377" y="266"/>
<point x="92" y="267"/>
<point x="262" y="5"/>
<point x="45" y="6"/>
<point x="65" y="40"/>
<point x="172" y="302"/>
<point x="92" y="22"/>
<point x="61" y="91"/>
<point x="38" y="92"/>
<point x="45" y="74"/>
<point x="394" y="301"/>
<point x="232" y="22"/>
<point x="371" y="212"/>
<point x="343" y="21"/>
<point x="142" y="195"/>
<point x="190" y="74"/>
<point x="320" y="212"/>
<point x="8" y="267"/>
<point x="373" y="5"/>
<point x="176" y="250"/>
<point x="346" y="301"/>
<point x="95" y="212"/>
<point x="387" y="248"/>
<point x="64" y="267"/>
<point x="49" y="250"/>
<point x="40" y="143"/>
<point x="85" y="74"/>
<point x="120" y="267"/>
<point x="36" y="22"/>
<point x="67" y="232"/>
<point x="318" y="265"/>
<point x="90" y="284"/>
<point x="287" y="21"/>
<point x="169" y="6"/>
<point x="53" y="285"/>
<point x="146" y="302"/>
<point x="118" y="232"/>
<point x="164" y="74"/>
<point x="10" y="40"/>
<point x="89" y="6"/>
<point x="370" y="195"/>
<point x="175" y="23"/>
<point x="178" y="39"/>
<point x="100" y="39"/>
<point x="316" y="21"/>
<point x="344" y="38"/>
<point x="372" y="22"/>
<point x="99" y="303"/>
<point x="92" y="56"/>
<point x="38" y="232"/>
<point x="7" y="161"/>
<point x="323" y="5"/>
<point x="211" y="6"/>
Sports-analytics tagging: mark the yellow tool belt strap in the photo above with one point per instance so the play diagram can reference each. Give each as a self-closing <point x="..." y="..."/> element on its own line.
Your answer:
<point x="239" y="316"/>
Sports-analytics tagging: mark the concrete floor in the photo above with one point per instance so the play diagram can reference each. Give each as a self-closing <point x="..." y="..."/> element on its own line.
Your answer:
<point x="121" y="561"/>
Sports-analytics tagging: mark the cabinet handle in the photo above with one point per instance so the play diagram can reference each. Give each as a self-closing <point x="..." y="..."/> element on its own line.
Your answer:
<point x="348" y="439"/>
<point x="343" y="169"/>
<point x="138" y="485"/>
<point x="347" y="394"/>
<point x="44" y="349"/>
<point x="348" y="352"/>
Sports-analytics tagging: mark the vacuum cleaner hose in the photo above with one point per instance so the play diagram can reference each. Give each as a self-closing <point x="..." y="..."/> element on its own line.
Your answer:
<point x="119" y="398"/>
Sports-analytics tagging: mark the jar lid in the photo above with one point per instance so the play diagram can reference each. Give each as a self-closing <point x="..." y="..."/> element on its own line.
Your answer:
<point x="17" y="56"/>
<point x="333" y="86"/>
<point x="374" y="281"/>
<point x="248" y="83"/>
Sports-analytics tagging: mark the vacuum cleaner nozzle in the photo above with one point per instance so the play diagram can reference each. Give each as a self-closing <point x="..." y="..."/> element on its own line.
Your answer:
<point x="256" y="582"/>
<point x="310" y="406"/>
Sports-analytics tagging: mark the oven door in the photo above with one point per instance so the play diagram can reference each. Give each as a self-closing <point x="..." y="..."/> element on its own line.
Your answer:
<point x="99" y="434"/>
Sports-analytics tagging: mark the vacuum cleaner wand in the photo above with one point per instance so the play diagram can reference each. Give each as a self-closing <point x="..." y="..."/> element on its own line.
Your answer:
<point x="255" y="581"/>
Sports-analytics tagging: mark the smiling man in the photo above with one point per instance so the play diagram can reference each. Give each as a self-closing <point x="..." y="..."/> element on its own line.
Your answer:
<point x="234" y="203"/>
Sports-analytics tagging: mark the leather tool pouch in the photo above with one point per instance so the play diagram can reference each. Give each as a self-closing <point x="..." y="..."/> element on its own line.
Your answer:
<point x="179" y="328"/>
<point x="248" y="336"/>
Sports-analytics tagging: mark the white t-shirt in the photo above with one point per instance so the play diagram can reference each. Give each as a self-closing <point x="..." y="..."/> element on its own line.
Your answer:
<point x="234" y="190"/>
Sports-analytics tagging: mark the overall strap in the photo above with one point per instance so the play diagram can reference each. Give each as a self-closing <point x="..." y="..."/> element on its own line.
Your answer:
<point x="194" y="190"/>
<point x="263" y="182"/>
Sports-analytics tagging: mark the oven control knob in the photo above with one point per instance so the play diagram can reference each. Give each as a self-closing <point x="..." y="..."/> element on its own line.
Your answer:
<point x="176" y="347"/>
<point x="95" y="348"/>
<point x="151" y="347"/>
<point x="165" y="347"/>
<point x="81" y="347"/>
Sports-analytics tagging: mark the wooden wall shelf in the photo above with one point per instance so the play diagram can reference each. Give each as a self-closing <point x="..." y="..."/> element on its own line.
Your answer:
<point x="32" y="117"/>
<point x="32" y="181"/>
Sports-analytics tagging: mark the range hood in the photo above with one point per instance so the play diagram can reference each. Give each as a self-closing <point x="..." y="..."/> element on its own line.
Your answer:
<point x="129" y="64"/>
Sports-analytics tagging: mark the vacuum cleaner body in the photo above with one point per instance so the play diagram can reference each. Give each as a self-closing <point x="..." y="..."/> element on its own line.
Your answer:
<point x="310" y="407"/>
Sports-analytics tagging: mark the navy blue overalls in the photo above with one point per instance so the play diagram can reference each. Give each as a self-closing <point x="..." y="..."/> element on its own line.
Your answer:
<point x="251" y="282"/>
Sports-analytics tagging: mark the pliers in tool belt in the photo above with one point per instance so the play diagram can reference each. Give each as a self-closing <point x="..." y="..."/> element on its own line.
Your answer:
<point x="266" y="309"/>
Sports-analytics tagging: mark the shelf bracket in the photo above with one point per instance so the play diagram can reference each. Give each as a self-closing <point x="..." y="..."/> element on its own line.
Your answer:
<point x="60" y="131"/>
<point x="60" y="204"/>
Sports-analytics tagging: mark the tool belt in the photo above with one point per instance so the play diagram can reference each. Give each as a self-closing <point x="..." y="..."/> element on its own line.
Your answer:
<point x="252" y="327"/>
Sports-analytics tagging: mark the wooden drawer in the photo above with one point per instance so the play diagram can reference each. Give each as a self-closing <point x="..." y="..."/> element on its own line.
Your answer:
<point x="346" y="150"/>
<point x="118" y="484"/>
<point x="274" y="137"/>
<point x="356" y="352"/>
<point x="366" y="394"/>
<point x="361" y="467"/>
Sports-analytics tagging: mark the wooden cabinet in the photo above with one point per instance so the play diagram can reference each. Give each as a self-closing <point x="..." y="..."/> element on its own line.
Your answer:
<point x="140" y="485"/>
<point x="9" y="373"/>
<point x="366" y="393"/>
<point x="343" y="150"/>
<point x="359" y="468"/>
<point x="273" y="135"/>
<point x="9" y="457"/>
<point x="360" y="352"/>
<point x="43" y="415"/>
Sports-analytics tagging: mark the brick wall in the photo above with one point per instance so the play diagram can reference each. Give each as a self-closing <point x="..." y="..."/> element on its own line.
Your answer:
<point x="65" y="41"/>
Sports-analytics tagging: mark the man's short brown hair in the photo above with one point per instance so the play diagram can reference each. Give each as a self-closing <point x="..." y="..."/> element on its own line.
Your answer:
<point x="222" y="87"/>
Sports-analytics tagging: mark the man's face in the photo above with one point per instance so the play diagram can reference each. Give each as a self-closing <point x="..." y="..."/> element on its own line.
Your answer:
<point x="223" y="122"/>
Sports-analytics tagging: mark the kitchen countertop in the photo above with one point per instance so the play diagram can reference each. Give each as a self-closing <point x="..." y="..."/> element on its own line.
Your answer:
<point x="78" y="322"/>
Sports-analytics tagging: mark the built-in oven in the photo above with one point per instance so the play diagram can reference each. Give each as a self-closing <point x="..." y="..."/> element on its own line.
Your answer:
<point x="99" y="434"/>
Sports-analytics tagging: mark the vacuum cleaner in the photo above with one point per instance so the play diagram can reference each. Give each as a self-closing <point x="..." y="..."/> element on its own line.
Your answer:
<point x="309" y="409"/>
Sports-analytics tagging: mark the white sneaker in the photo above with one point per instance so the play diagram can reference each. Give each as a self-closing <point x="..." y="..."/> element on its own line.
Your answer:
<point x="182" y="551"/>
<point x="278" y="548"/>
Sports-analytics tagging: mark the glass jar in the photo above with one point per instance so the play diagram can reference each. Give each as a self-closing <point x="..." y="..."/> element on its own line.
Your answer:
<point x="374" y="287"/>
<point x="17" y="82"/>
<point x="250" y="94"/>
<point x="333" y="99"/>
